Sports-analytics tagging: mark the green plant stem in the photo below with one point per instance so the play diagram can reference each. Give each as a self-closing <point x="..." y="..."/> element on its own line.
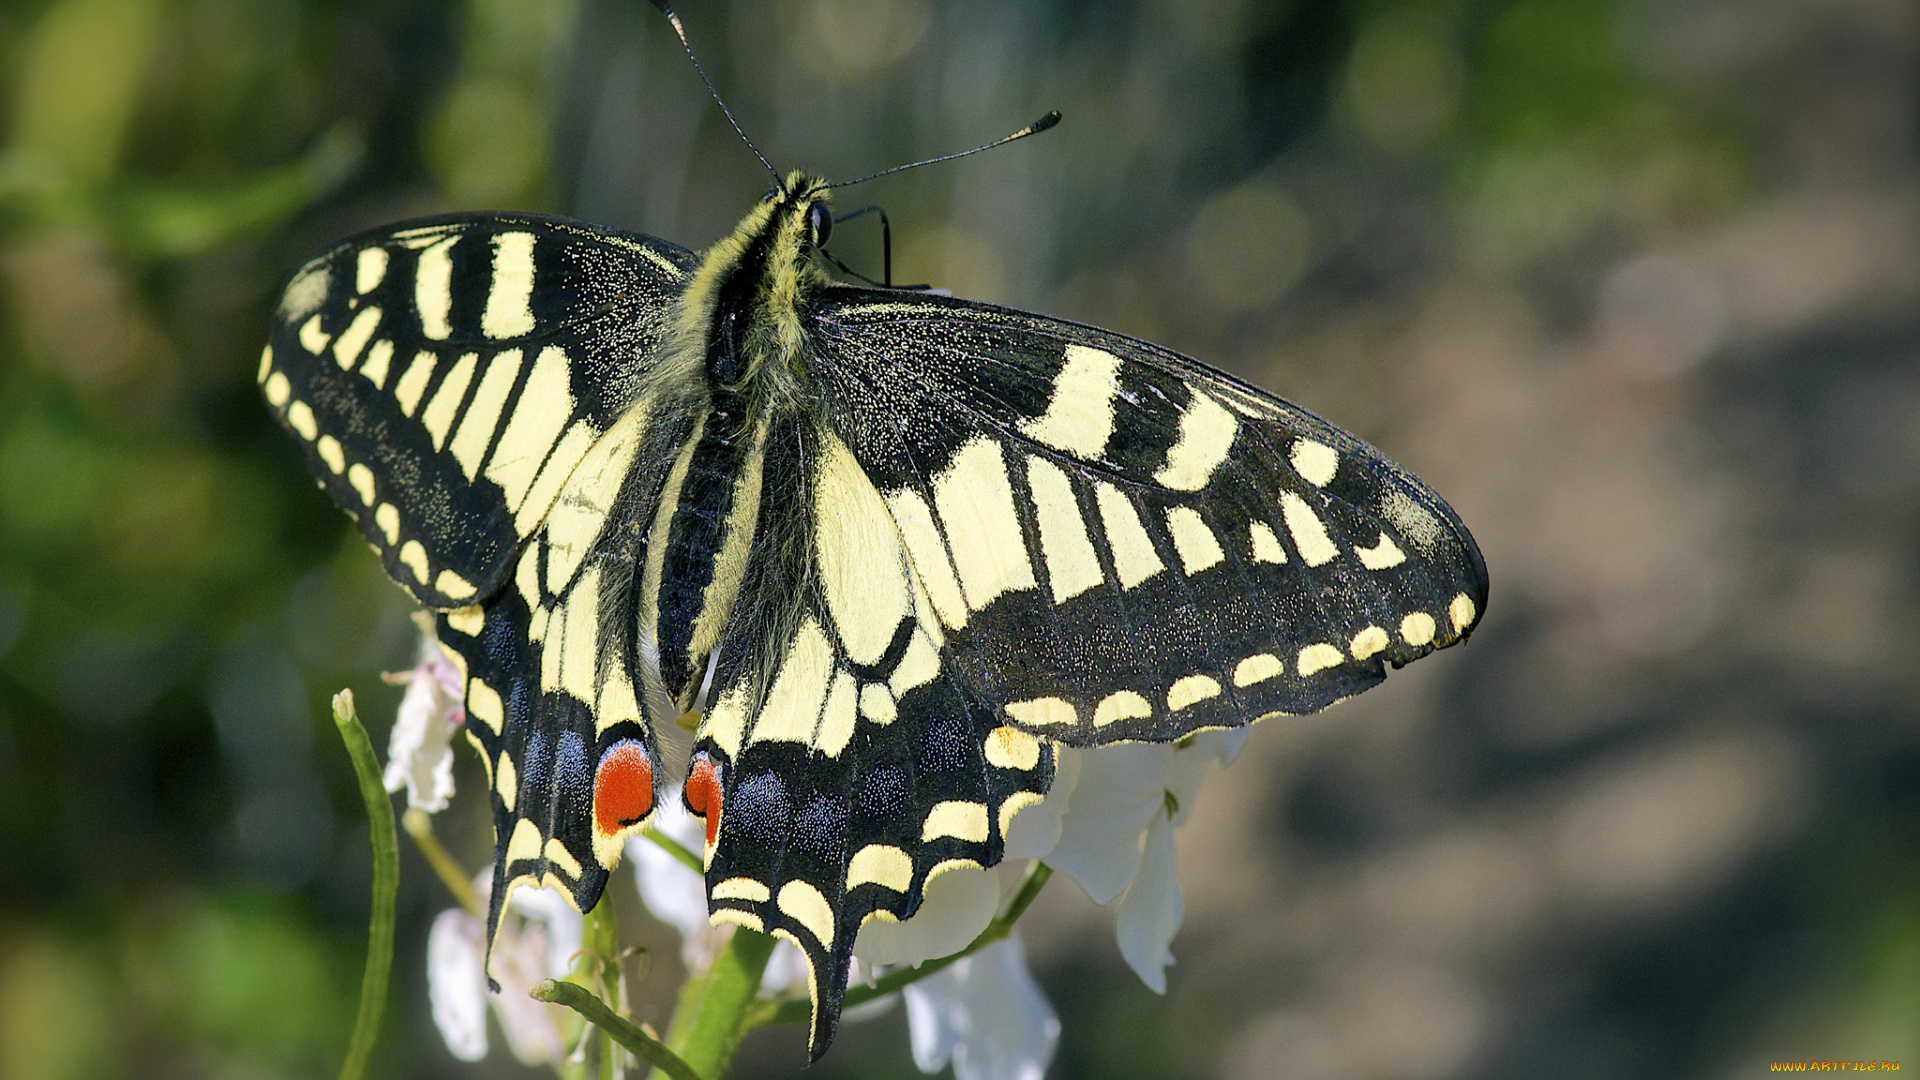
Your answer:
<point x="712" y="1012"/>
<point x="674" y="848"/>
<point x="419" y="826"/>
<point x="599" y="963"/>
<point x="798" y="1010"/>
<point x="686" y="1006"/>
<point x="386" y="883"/>
<point x="626" y="1033"/>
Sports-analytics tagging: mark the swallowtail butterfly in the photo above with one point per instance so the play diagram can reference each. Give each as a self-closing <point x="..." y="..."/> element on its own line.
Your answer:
<point x="899" y="546"/>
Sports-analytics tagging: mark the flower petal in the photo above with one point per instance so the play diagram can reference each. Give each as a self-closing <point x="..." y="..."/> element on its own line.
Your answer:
<point x="1149" y="913"/>
<point x="1036" y="829"/>
<point x="1194" y="763"/>
<point x="419" y="749"/>
<point x="456" y="985"/>
<point x="934" y="1023"/>
<point x="958" y="905"/>
<point x="786" y="969"/>
<point x="986" y="1015"/>
<point x="533" y="1028"/>
<point x="547" y="909"/>
<point x="1120" y="789"/>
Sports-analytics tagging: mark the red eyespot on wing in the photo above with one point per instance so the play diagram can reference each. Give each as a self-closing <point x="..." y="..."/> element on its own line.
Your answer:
<point x="703" y="793"/>
<point x="622" y="786"/>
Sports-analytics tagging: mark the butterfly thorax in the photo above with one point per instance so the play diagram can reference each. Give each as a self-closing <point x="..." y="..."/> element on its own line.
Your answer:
<point x="740" y="316"/>
<point x="739" y="322"/>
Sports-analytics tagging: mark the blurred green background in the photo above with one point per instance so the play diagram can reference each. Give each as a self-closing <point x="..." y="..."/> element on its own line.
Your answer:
<point x="1634" y="283"/>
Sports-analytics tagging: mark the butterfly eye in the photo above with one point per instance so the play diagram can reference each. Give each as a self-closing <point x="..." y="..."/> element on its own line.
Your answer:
<point x="819" y="223"/>
<point x="772" y="194"/>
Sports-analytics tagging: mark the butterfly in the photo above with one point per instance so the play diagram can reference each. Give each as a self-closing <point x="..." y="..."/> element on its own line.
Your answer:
<point x="886" y="550"/>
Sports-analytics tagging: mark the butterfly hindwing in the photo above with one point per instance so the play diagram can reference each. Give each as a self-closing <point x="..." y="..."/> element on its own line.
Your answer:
<point x="853" y="764"/>
<point x="444" y="377"/>
<point x="1125" y="544"/>
<point x="560" y="702"/>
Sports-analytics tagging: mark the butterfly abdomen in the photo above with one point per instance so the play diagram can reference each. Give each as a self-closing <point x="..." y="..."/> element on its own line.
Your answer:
<point x="704" y="528"/>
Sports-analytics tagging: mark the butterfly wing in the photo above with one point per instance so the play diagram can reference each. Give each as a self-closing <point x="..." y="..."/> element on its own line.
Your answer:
<point x="481" y="393"/>
<point x="563" y="701"/>
<point x="851" y="763"/>
<point x="444" y="377"/>
<point x="1124" y="544"/>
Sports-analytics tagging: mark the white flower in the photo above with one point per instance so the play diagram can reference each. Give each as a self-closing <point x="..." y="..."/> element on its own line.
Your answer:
<point x="457" y="984"/>
<point x="419" y="751"/>
<point x="957" y="905"/>
<point x="1036" y="830"/>
<point x="538" y="939"/>
<point x="1150" y="909"/>
<point x="985" y="1014"/>
<point x="1117" y="836"/>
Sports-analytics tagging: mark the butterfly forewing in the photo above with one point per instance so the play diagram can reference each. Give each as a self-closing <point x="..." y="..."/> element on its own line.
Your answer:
<point x="1123" y="543"/>
<point x="445" y="377"/>
<point x="478" y="393"/>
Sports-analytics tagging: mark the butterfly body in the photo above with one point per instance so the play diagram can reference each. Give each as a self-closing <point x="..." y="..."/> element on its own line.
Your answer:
<point x="740" y="326"/>
<point x="899" y="547"/>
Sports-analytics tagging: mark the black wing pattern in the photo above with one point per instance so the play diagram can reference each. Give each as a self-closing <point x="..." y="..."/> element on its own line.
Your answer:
<point x="1123" y="543"/>
<point x="445" y="376"/>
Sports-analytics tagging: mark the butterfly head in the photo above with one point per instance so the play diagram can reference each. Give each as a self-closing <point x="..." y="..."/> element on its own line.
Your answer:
<point x="806" y="199"/>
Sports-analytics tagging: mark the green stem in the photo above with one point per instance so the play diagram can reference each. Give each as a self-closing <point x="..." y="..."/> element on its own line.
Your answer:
<point x="692" y="992"/>
<point x="626" y="1033"/>
<point x="419" y="825"/>
<point x="797" y="1010"/>
<point x="386" y="883"/>
<point x="674" y="848"/>
<point x="719" y="1006"/>
<point x="599" y="963"/>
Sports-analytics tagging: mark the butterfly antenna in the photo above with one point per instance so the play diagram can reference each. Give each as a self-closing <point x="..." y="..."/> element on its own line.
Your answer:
<point x="1034" y="128"/>
<point x="667" y="10"/>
